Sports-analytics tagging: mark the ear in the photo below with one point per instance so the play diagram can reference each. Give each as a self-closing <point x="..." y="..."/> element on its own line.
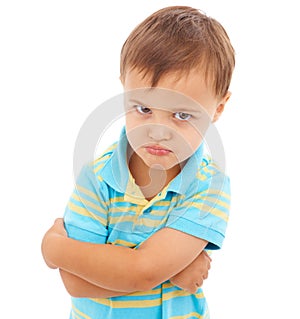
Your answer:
<point x="121" y="80"/>
<point x="221" y="106"/>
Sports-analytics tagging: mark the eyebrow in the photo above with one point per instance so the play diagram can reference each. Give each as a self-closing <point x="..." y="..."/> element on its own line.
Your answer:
<point x="195" y="109"/>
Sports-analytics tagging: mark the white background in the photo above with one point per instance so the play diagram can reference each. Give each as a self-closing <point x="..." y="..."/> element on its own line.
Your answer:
<point x="60" y="59"/>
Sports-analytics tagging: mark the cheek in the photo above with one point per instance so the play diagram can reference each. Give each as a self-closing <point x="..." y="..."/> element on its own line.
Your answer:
<point x="192" y="142"/>
<point x="129" y="120"/>
<point x="192" y="138"/>
<point x="136" y="134"/>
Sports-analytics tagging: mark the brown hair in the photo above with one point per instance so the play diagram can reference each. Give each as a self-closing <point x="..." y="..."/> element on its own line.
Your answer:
<point x="179" y="39"/>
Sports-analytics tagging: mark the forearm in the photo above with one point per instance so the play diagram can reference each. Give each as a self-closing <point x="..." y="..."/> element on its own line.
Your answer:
<point x="118" y="268"/>
<point x="110" y="267"/>
<point x="80" y="288"/>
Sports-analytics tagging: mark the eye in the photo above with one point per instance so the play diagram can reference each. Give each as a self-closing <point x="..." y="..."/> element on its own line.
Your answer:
<point x="181" y="116"/>
<point x="143" y="109"/>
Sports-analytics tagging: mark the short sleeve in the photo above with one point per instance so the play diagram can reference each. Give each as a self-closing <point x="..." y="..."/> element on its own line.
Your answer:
<point x="204" y="213"/>
<point x="86" y="212"/>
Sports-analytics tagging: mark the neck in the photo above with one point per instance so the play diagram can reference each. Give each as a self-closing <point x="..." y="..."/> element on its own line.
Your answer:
<point x="151" y="180"/>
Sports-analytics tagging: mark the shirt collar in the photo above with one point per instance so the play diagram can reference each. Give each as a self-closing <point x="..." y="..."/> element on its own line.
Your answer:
<point x="116" y="172"/>
<point x="182" y="181"/>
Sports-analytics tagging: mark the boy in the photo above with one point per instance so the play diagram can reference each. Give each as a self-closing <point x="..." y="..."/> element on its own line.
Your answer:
<point x="142" y="214"/>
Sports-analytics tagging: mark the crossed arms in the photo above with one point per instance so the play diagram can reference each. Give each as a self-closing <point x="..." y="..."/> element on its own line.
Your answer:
<point x="104" y="270"/>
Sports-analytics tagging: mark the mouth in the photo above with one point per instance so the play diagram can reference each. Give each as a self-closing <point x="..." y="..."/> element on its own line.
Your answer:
<point x="157" y="150"/>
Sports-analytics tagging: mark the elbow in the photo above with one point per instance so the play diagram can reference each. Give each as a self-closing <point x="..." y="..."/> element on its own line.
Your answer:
<point x="146" y="285"/>
<point x="73" y="293"/>
<point x="70" y="287"/>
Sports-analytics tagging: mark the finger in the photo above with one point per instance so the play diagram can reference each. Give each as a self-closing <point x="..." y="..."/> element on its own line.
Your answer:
<point x="59" y="221"/>
<point x="199" y="283"/>
<point x="207" y="255"/>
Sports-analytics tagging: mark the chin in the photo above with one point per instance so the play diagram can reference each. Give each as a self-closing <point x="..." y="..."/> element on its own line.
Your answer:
<point x="160" y="163"/>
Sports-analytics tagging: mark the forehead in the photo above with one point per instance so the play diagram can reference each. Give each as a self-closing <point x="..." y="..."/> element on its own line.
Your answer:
<point x="174" y="89"/>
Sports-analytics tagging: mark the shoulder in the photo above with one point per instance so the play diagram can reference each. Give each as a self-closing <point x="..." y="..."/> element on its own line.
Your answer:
<point x="209" y="169"/>
<point x="211" y="176"/>
<point x="91" y="173"/>
<point x="97" y="165"/>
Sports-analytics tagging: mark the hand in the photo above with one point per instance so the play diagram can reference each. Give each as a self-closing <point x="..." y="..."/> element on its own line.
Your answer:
<point x="192" y="277"/>
<point x="48" y="245"/>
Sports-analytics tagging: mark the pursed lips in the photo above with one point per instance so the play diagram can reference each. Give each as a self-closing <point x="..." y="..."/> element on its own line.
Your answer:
<point x="157" y="150"/>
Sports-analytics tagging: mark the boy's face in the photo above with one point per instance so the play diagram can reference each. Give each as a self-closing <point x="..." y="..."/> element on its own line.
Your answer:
<point x="165" y="125"/>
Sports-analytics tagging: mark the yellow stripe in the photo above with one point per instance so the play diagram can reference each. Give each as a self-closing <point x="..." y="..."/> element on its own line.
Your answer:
<point x="206" y="196"/>
<point x="108" y="151"/>
<point x="179" y="293"/>
<point x="102" y="159"/>
<point x="100" y="162"/>
<point x="100" y="178"/>
<point x="167" y="285"/>
<point x="207" y="160"/>
<point x="87" y="192"/>
<point x="219" y="202"/>
<point x="146" y="293"/>
<point x="209" y="209"/>
<point x="158" y="212"/>
<point x="137" y="210"/>
<point x="155" y="210"/>
<point x="144" y="303"/>
<point x="97" y="169"/>
<point x="207" y="172"/>
<point x="128" y="303"/>
<point x="84" y="212"/>
<point x="133" y="219"/>
<point x="164" y="203"/>
<point x="121" y="219"/>
<point x="125" y="209"/>
<point x="220" y="193"/>
<point x="189" y="315"/>
<point x="80" y="313"/>
<point x="120" y="199"/>
<point x="151" y="222"/>
<point x="123" y="243"/>
<point x="202" y="177"/>
<point x="110" y="148"/>
<point x="90" y="194"/>
<point x="86" y="203"/>
<point x="117" y="199"/>
<point x="210" y="170"/>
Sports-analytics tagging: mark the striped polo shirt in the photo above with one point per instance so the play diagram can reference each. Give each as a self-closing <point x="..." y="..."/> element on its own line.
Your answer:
<point x="108" y="207"/>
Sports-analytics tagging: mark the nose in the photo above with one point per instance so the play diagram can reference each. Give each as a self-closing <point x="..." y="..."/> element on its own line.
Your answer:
<point x="159" y="132"/>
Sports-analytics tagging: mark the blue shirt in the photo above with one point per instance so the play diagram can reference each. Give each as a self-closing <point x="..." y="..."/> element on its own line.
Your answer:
<point x="108" y="207"/>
